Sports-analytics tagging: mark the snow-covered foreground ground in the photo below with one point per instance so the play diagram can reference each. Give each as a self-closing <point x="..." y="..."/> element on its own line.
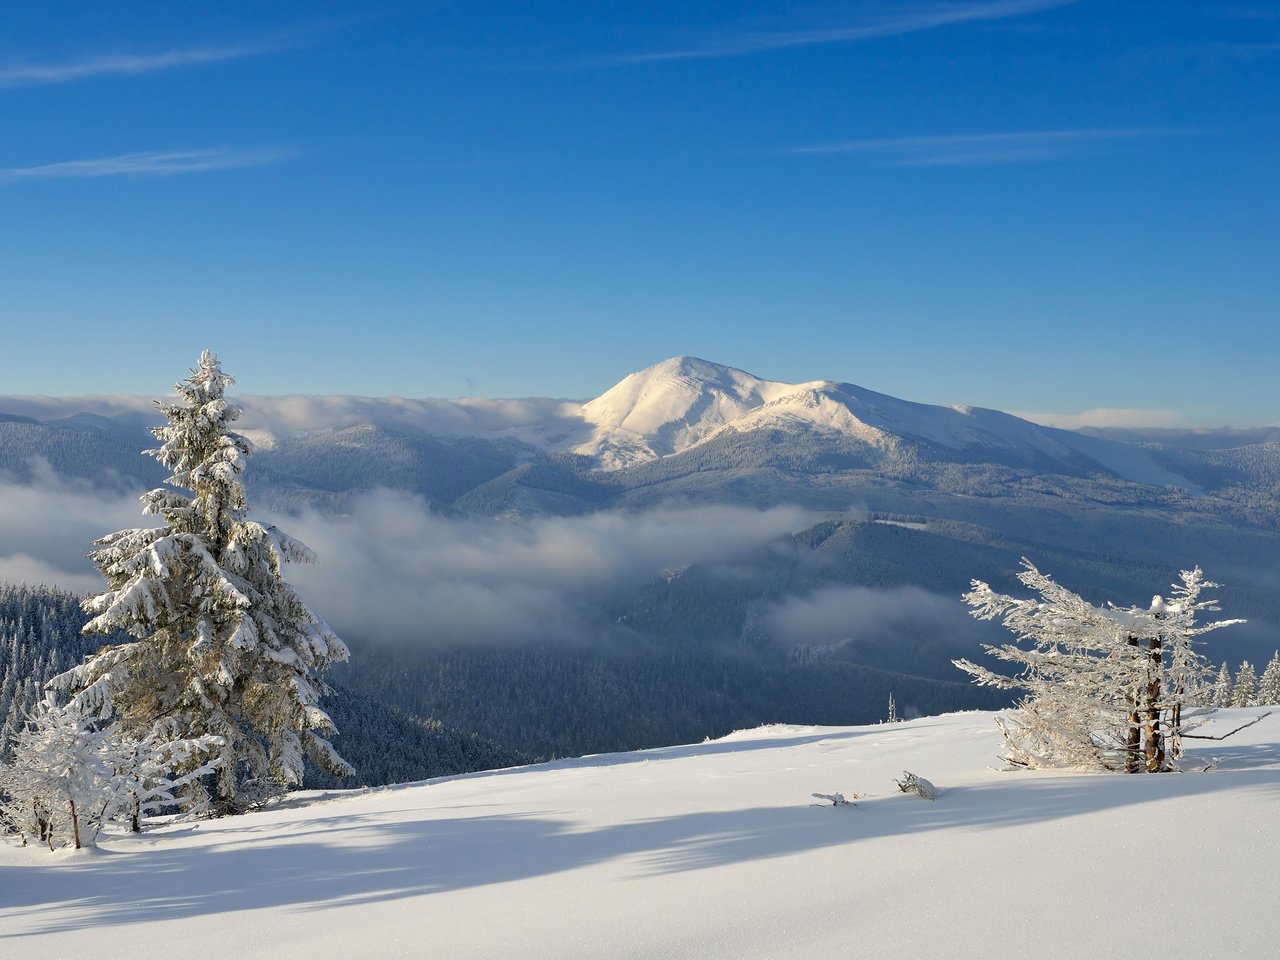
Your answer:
<point x="712" y="850"/>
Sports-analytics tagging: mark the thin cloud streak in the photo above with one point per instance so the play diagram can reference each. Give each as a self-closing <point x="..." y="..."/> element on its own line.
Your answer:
<point x="152" y="163"/>
<point x="974" y="149"/>
<point x="127" y="64"/>
<point x="1106" y="417"/>
<point x="914" y="21"/>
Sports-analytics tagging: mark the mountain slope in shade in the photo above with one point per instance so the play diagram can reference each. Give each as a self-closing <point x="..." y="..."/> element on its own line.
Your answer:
<point x="680" y="403"/>
<point x="702" y="852"/>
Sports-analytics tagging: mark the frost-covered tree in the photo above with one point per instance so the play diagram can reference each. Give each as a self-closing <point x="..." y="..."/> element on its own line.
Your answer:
<point x="1175" y="642"/>
<point x="1220" y="694"/>
<point x="1269" y="688"/>
<point x="71" y="773"/>
<point x="1245" y="693"/>
<point x="145" y="770"/>
<point x="223" y="647"/>
<point x="61" y="785"/>
<point x="1105" y="685"/>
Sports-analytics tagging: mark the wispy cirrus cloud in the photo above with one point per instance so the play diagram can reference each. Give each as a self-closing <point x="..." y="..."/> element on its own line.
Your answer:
<point x="129" y="64"/>
<point x="151" y="163"/>
<point x="903" y="20"/>
<point x="976" y="149"/>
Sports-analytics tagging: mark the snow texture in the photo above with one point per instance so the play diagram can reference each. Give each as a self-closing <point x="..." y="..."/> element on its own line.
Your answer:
<point x="697" y="853"/>
<point x="677" y="404"/>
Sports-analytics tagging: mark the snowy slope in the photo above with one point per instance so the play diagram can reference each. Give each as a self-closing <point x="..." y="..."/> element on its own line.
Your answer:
<point x="675" y="405"/>
<point x="704" y="851"/>
<point x="670" y="407"/>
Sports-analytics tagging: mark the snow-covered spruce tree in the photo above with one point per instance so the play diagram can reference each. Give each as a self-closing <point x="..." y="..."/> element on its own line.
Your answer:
<point x="1245" y="693"/>
<point x="1105" y="685"/>
<point x="1269" y="688"/>
<point x="145" y="770"/>
<point x="223" y="646"/>
<point x="1220" y="694"/>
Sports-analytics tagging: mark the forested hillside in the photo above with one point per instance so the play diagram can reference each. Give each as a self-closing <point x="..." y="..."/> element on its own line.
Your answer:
<point x="549" y="701"/>
<point x="401" y="713"/>
<point x="40" y="637"/>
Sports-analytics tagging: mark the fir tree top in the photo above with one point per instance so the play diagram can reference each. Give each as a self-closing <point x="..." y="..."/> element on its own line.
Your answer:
<point x="202" y="452"/>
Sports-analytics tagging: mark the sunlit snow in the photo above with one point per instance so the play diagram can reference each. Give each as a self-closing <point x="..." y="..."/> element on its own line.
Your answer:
<point x="714" y="850"/>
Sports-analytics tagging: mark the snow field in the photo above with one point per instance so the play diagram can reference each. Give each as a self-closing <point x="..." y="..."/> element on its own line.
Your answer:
<point x="702" y="851"/>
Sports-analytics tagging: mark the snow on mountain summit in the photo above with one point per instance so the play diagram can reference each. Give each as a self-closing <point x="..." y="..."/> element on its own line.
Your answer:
<point x="670" y="407"/>
<point x="674" y="406"/>
<point x="677" y="404"/>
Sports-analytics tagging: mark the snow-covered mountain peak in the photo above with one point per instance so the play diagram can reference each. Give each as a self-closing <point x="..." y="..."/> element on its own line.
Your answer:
<point x="675" y="389"/>
<point x="671" y="406"/>
<point x="819" y="406"/>
<point x="682" y="402"/>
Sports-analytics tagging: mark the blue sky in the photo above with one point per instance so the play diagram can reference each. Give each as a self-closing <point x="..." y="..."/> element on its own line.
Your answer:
<point x="1023" y="204"/>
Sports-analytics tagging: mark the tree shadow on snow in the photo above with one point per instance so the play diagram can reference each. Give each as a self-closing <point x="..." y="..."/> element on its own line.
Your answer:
<point x="350" y="860"/>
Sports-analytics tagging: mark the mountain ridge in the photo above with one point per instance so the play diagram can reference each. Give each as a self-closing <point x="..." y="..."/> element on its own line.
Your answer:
<point x="925" y="498"/>
<point x="679" y="403"/>
<point x="661" y="411"/>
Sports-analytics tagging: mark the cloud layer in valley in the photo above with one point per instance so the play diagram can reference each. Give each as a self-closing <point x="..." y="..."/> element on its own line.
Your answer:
<point x="50" y="523"/>
<point x="276" y="415"/>
<point x="390" y="571"/>
<point x="838" y="612"/>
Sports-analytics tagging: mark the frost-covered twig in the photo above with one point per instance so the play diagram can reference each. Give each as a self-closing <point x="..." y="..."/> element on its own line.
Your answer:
<point x="837" y="799"/>
<point x="1193" y="736"/>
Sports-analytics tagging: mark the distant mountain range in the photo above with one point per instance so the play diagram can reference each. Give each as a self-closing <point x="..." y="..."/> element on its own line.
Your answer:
<point x="903" y="496"/>
<point x="663" y="411"/>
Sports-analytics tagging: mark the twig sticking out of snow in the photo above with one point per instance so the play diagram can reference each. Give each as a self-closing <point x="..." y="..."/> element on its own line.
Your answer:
<point x="910" y="783"/>
<point x="837" y="800"/>
<point x="1192" y="736"/>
